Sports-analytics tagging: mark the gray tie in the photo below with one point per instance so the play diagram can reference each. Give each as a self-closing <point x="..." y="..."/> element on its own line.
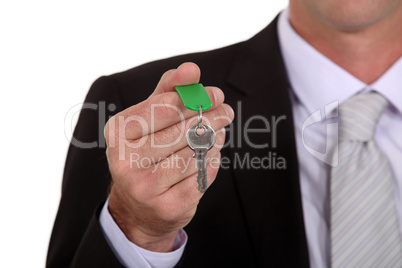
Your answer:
<point x="364" y="225"/>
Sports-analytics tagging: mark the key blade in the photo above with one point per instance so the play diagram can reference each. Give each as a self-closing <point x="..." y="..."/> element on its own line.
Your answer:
<point x="202" y="181"/>
<point x="200" y="155"/>
<point x="201" y="164"/>
<point x="200" y="143"/>
<point x="202" y="177"/>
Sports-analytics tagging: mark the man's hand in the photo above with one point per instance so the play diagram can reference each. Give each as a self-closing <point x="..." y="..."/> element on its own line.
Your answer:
<point x="154" y="192"/>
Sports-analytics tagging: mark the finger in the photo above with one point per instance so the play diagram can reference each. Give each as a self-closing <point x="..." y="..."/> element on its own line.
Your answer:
<point x="186" y="74"/>
<point x="173" y="138"/>
<point x="186" y="191"/>
<point x="181" y="200"/>
<point x="155" y="180"/>
<point x="154" y="114"/>
<point x="181" y="165"/>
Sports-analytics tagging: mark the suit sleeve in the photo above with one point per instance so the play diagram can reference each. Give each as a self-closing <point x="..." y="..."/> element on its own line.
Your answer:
<point x="77" y="239"/>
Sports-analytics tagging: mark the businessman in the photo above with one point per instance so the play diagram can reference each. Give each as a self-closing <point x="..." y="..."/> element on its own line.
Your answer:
<point x="309" y="172"/>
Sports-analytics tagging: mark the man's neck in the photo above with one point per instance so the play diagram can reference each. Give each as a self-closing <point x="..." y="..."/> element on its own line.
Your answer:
<point x="366" y="53"/>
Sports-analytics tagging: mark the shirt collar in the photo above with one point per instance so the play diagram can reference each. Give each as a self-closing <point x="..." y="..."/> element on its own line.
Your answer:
<point x="390" y="84"/>
<point x="317" y="81"/>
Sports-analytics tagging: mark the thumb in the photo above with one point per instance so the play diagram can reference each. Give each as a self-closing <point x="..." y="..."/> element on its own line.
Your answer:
<point x="186" y="74"/>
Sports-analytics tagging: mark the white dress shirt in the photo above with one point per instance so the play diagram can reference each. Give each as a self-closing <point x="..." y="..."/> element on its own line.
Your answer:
<point x="315" y="82"/>
<point x="131" y="255"/>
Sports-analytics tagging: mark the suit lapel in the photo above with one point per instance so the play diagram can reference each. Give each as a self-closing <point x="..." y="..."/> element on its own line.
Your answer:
<point x="269" y="191"/>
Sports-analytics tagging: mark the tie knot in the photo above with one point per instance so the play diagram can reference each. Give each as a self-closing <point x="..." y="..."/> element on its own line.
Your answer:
<point x="358" y="116"/>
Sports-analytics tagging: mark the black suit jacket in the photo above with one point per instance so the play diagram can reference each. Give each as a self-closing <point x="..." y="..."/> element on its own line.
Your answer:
<point x="249" y="217"/>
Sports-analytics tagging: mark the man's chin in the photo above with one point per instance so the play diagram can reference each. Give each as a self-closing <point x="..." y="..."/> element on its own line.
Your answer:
<point x="352" y="16"/>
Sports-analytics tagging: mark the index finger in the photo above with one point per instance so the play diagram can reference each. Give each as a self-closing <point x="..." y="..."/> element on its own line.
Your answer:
<point x="153" y="114"/>
<point x="162" y="111"/>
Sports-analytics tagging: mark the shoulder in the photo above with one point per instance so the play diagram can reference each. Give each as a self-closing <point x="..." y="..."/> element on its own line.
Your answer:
<point x="229" y="67"/>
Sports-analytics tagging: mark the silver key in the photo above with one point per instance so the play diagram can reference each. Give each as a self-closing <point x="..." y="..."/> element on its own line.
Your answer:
<point x="201" y="143"/>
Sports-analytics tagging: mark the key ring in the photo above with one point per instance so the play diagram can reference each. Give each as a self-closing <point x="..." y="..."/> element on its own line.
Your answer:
<point x="200" y="117"/>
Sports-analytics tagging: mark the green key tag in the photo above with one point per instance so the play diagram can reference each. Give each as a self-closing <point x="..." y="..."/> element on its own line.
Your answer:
<point x="194" y="96"/>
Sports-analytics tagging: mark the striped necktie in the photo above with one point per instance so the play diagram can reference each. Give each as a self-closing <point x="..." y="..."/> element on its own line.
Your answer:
<point x="364" y="225"/>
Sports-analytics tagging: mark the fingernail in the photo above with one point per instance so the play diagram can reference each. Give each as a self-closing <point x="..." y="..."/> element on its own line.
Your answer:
<point x="229" y="111"/>
<point x="218" y="95"/>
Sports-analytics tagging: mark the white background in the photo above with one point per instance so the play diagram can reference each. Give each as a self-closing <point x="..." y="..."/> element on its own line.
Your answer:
<point x="50" y="53"/>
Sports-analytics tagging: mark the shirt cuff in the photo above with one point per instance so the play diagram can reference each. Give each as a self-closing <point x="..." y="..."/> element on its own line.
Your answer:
<point x="131" y="255"/>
